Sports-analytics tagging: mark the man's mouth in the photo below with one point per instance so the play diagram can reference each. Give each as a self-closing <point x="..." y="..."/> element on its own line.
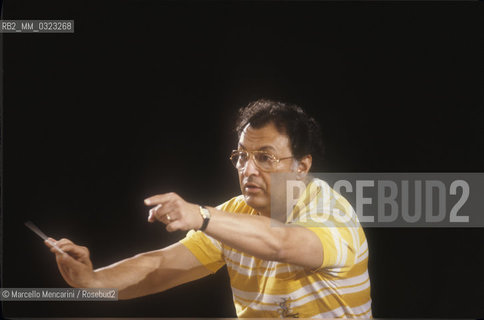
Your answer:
<point x="251" y="187"/>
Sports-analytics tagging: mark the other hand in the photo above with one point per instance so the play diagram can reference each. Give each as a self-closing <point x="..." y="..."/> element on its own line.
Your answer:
<point x="174" y="212"/>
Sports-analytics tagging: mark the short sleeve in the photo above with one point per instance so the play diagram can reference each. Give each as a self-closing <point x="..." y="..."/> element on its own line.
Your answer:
<point x="333" y="220"/>
<point x="206" y="249"/>
<point x="339" y="254"/>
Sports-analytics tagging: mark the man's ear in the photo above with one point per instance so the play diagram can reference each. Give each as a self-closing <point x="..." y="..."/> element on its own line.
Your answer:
<point x="304" y="165"/>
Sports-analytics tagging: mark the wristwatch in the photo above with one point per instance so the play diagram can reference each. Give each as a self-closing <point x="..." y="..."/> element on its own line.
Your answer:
<point x="206" y="217"/>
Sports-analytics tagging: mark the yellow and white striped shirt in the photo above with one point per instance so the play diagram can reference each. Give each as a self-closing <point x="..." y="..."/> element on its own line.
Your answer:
<point x="340" y="287"/>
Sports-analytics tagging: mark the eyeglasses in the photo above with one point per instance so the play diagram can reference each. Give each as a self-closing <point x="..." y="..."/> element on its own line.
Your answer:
<point x="264" y="160"/>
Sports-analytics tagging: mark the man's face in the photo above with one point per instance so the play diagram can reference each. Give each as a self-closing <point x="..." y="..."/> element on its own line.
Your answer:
<point x="255" y="184"/>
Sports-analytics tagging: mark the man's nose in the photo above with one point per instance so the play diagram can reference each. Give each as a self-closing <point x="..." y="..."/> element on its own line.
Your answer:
<point x="250" y="168"/>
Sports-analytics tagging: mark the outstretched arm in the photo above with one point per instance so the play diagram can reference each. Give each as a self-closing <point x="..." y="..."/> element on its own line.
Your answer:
<point x="259" y="236"/>
<point x="143" y="274"/>
<point x="267" y="238"/>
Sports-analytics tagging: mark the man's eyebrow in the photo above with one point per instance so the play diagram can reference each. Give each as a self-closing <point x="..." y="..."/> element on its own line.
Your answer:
<point x="263" y="148"/>
<point x="267" y="148"/>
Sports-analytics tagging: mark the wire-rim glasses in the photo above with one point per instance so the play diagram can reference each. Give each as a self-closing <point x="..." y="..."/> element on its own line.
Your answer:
<point x="264" y="160"/>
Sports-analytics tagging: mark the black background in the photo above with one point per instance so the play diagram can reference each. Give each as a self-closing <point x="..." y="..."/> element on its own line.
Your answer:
<point x="141" y="100"/>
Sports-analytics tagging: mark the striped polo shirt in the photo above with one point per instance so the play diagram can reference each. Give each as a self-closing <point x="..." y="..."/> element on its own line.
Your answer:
<point x="340" y="287"/>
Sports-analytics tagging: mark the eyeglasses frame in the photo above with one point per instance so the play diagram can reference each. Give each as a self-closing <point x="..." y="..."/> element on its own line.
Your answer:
<point x="275" y="159"/>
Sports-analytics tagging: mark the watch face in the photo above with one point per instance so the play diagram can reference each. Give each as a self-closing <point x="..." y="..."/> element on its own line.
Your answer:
<point x="205" y="213"/>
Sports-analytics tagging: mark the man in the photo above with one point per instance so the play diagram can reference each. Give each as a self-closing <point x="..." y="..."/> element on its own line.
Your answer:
<point x="314" y="269"/>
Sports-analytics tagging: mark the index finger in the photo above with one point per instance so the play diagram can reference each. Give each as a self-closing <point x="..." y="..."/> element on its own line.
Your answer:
<point x="159" y="199"/>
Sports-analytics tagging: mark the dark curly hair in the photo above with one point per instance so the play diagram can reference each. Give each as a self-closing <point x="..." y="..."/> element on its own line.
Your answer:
<point x="303" y="131"/>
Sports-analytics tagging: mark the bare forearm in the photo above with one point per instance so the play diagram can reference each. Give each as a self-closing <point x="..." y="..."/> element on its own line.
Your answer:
<point x="133" y="277"/>
<point x="151" y="272"/>
<point x="255" y="235"/>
